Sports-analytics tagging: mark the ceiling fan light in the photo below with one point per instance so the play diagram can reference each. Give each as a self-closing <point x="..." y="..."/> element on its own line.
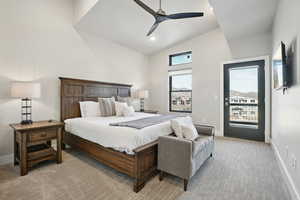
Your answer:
<point x="152" y="38"/>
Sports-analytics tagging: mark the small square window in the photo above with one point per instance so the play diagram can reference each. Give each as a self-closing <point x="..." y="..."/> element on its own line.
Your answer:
<point x="180" y="58"/>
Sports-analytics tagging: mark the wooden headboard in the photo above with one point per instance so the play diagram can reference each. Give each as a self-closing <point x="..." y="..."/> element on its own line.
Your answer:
<point x="75" y="90"/>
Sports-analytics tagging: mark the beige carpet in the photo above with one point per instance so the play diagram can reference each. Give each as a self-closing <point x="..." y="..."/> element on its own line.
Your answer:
<point x="239" y="170"/>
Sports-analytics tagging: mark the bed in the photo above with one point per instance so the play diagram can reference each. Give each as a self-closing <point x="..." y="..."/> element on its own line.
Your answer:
<point x="127" y="150"/>
<point x="122" y="139"/>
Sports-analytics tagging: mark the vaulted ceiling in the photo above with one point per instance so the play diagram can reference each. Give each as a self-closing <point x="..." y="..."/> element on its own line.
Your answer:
<point x="124" y="22"/>
<point x="240" y="18"/>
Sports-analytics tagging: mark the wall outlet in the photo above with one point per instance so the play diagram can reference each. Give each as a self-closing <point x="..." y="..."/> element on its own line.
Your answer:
<point x="293" y="162"/>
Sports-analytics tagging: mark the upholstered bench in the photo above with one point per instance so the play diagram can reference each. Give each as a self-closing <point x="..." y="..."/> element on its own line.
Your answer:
<point x="181" y="157"/>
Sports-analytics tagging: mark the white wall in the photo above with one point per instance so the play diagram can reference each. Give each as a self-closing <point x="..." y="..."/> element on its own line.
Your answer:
<point x="82" y="7"/>
<point x="209" y="51"/>
<point x="251" y="46"/>
<point x="38" y="42"/>
<point x="286" y="108"/>
<point x="118" y="64"/>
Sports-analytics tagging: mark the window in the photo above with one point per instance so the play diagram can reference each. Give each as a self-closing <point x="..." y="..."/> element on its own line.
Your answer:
<point x="180" y="92"/>
<point x="180" y="58"/>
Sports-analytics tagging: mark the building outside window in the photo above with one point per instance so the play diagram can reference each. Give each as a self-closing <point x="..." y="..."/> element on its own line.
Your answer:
<point x="180" y="92"/>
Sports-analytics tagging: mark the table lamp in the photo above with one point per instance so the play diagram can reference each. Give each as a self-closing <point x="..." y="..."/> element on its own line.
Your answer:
<point x="26" y="91"/>
<point x="143" y="94"/>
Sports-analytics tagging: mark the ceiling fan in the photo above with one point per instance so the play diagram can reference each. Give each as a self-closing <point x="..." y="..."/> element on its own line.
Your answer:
<point x="161" y="15"/>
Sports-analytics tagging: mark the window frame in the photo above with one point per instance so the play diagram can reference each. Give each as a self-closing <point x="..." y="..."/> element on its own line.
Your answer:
<point x="170" y="96"/>
<point x="179" y="54"/>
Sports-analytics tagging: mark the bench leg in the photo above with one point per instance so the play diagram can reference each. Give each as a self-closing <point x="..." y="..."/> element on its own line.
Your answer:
<point x="161" y="175"/>
<point x="186" y="182"/>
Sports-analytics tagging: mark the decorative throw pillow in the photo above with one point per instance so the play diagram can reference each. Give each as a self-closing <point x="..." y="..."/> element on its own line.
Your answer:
<point x="175" y="124"/>
<point x="189" y="131"/>
<point x="135" y="103"/>
<point x="128" y="111"/>
<point x="178" y="122"/>
<point x="120" y="106"/>
<point x="107" y="106"/>
<point x="187" y="120"/>
<point x="89" y="109"/>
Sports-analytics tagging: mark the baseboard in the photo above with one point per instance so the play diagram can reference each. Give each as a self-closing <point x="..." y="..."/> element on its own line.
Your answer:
<point x="6" y="159"/>
<point x="286" y="175"/>
<point x="218" y="133"/>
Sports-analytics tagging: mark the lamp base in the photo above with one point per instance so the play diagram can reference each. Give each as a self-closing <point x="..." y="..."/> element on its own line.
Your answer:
<point x="26" y="122"/>
<point x="142" y="105"/>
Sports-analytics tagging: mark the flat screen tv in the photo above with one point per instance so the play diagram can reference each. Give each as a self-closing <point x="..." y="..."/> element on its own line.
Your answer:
<point x="280" y="68"/>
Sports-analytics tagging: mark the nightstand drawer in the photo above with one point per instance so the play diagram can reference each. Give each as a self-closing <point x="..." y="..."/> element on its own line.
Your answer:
<point x="47" y="134"/>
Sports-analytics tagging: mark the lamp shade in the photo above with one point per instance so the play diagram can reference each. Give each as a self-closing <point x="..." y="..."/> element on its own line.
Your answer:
<point x="143" y="94"/>
<point x="25" y="90"/>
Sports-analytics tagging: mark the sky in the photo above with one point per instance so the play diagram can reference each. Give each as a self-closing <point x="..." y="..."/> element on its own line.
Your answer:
<point x="182" y="81"/>
<point x="181" y="59"/>
<point x="244" y="80"/>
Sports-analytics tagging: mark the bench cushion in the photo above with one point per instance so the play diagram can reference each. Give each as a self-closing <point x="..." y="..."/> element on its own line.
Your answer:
<point x="200" y="143"/>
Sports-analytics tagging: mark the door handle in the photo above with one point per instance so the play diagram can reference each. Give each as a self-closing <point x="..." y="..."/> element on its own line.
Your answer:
<point x="226" y="104"/>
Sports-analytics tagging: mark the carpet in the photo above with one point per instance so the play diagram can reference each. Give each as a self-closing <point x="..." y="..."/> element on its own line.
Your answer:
<point x="239" y="170"/>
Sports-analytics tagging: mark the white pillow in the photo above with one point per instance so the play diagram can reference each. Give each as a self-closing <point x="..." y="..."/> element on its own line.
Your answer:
<point x="189" y="131"/>
<point x="82" y="108"/>
<point x="89" y="109"/>
<point x="128" y="111"/>
<point x="187" y="120"/>
<point x="119" y="108"/>
<point x="130" y="102"/>
<point x="178" y="122"/>
<point x="175" y="124"/>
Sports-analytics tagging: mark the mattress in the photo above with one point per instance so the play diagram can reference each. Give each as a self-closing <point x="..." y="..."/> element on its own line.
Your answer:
<point x="123" y="139"/>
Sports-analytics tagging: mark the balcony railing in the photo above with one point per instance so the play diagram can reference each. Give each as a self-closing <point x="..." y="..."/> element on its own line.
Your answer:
<point x="241" y="113"/>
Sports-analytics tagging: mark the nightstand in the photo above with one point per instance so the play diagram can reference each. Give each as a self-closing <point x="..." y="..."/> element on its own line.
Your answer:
<point x="32" y="143"/>
<point x="150" y="111"/>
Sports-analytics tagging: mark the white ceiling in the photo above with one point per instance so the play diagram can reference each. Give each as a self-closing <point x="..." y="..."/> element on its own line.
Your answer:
<point x="124" y="22"/>
<point x="240" y="18"/>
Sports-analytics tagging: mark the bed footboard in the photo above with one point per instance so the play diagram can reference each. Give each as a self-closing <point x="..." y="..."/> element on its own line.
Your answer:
<point x="145" y="164"/>
<point x="141" y="166"/>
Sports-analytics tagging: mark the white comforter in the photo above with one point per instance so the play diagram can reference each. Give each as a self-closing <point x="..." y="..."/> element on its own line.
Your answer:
<point x="123" y="139"/>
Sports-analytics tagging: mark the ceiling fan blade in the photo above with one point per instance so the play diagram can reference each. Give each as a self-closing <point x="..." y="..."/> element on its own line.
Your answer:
<point x="154" y="26"/>
<point x="185" y="15"/>
<point x="145" y="7"/>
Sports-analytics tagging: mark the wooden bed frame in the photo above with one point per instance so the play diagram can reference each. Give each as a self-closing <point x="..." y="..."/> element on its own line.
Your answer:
<point x="141" y="166"/>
